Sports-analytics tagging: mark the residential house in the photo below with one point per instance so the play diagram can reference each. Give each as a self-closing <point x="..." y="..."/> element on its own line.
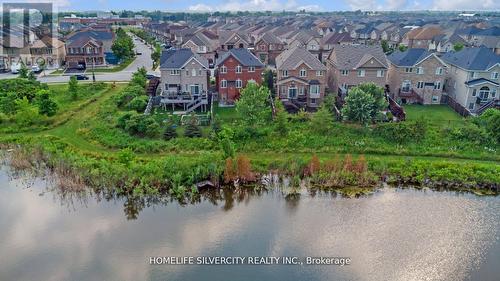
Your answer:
<point x="301" y="79"/>
<point x="235" y="69"/>
<point x="333" y="40"/>
<point x="268" y="47"/>
<point x="349" y="66"/>
<point x="422" y="37"/>
<point x="203" y="43"/>
<point x="84" y="51"/>
<point x="444" y="43"/>
<point x="473" y="78"/>
<point x="230" y="39"/>
<point x="50" y="52"/>
<point x="184" y="79"/>
<point x="416" y="76"/>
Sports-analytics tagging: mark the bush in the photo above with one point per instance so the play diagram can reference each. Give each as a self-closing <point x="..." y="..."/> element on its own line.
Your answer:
<point x="402" y="132"/>
<point x="170" y="132"/>
<point x="471" y="133"/>
<point x="138" y="104"/>
<point x="141" y="125"/>
<point x="129" y="94"/>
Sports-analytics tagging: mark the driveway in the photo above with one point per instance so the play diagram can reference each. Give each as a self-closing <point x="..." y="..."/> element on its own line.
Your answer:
<point x="143" y="60"/>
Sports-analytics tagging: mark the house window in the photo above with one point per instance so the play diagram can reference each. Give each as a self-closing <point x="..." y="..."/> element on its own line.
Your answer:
<point x="251" y="69"/>
<point x="494" y="75"/>
<point x="471" y="105"/>
<point x="405" y="87"/>
<point x="473" y="74"/>
<point x="380" y="73"/>
<point x="239" y="84"/>
<point x="285" y="73"/>
<point x="223" y="83"/>
<point x="361" y="73"/>
<point x="474" y="92"/>
<point x="302" y="73"/>
<point x="344" y="72"/>
<point x="187" y="72"/>
<point x="493" y="93"/>
<point x="314" y="89"/>
<point x="319" y="73"/>
<point x="223" y="69"/>
<point x="420" y="84"/>
<point x="193" y="72"/>
<point x="292" y="92"/>
<point x="175" y="72"/>
<point x="439" y="71"/>
<point x="437" y="85"/>
<point x="484" y="92"/>
<point x="420" y="70"/>
<point x="409" y="70"/>
<point x="313" y="101"/>
<point x="435" y="99"/>
<point x="200" y="72"/>
<point x="238" y="69"/>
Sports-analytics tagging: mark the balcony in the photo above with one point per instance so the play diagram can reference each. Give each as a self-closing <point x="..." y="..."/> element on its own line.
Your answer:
<point x="409" y="93"/>
<point x="170" y="96"/>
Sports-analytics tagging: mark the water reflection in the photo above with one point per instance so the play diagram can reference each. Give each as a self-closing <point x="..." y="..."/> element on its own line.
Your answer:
<point x="391" y="235"/>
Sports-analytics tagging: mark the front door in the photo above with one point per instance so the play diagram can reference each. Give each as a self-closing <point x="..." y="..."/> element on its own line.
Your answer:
<point x="195" y="90"/>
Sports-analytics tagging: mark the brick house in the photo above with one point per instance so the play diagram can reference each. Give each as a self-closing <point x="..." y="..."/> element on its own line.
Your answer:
<point x="50" y="51"/>
<point x="422" y="37"/>
<point x="84" y="52"/>
<point x="301" y="79"/>
<point x="268" y="47"/>
<point x="416" y="76"/>
<point x="350" y="66"/>
<point x="235" y="69"/>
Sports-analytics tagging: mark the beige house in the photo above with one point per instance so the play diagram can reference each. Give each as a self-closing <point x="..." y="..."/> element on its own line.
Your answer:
<point x="48" y="51"/>
<point x="416" y="76"/>
<point x="473" y="79"/>
<point x="301" y="79"/>
<point x="350" y="66"/>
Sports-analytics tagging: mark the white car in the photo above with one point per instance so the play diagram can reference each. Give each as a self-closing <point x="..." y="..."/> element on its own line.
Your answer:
<point x="15" y="67"/>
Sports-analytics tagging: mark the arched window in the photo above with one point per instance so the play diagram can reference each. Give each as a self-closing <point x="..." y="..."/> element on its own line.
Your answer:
<point x="484" y="92"/>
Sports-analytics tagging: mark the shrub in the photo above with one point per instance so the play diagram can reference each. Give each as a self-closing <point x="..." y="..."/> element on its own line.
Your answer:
<point x="138" y="103"/>
<point x="192" y="129"/>
<point x="170" y="132"/>
<point x="46" y="106"/>
<point x="402" y="132"/>
<point x="471" y="133"/>
<point x="142" y="125"/>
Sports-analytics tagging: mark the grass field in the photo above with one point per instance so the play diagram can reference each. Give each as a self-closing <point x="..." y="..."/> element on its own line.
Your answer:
<point x="117" y="68"/>
<point x="435" y="114"/>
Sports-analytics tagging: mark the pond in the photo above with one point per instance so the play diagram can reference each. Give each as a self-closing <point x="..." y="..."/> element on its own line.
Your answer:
<point x="393" y="234"/>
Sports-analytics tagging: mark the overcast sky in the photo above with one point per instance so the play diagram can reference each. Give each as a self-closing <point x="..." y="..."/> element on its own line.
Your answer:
<point x="273" y="5"/>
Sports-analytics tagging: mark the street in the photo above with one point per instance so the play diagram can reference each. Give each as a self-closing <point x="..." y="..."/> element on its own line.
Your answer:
<point x="143" y="60"/>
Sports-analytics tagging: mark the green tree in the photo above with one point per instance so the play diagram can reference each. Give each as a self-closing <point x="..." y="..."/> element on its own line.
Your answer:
<point x="402" y="48"/>
<point x="156" y="55"/>
<point x="385" y="46"/>
<point x="192" y="128"/>
<point x="139" y="77"/>
<point x="490" y="120"/>
<point x="73" y="88"/>
<point x="358" y="106"/>
<point x="138" y="104"/>
<point x="458" y="47"/>
<point x="253" y="105"/>
<point x="170" y="132"/>
<point x="322" y="120"/>
<point x="378" y="94"/>
<point x="269" y="80"/>
<point x="123" y="46"/>
<point x="281" y="119"/>
<point x="31" y="76"/>
<point x="26" y="114"/>
<point x="46" y="106"/>
<point x="23" y="71"/>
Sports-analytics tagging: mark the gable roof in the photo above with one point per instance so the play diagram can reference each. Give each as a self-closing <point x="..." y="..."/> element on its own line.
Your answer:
<point x="479" y="81"/>
<point x="335" y="38"/>
<point x="82" y="40"/>
<point x="96" y="34"/>
<point x="424" y="33"/>
<point x="173" y="59"/>
<point x="270" y="38"/>
<point x="472" y="58"/>
<point x="410" y="57"/>
<point x="244" y="56"/>
<point x="352" y="57"/>
<point x="290" y="58"/>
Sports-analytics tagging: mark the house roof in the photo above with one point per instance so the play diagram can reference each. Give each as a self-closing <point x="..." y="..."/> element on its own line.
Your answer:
<point x="335" y="38"/>
<point x="424" y="33"/>
<point x="472" y="58"/>
<point x="270" y="38"/>
<point x="410" y="57"/>
<point x="475" y="82"/>
<point x="352" y="57"/>
<point x="101" y="35"/>
<point x="174" y="59"/>
<point x="82" y="40"/>
<point x="494" y="31"/>
<point x="291" y="58"/>
<point x="244" y="56"/>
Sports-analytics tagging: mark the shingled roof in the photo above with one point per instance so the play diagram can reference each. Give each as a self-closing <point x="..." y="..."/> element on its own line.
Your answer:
<point x="410" y="57"/>
<point x="352" y="57"/>
<point x="289" y="59"/>
<point x="174" y="59"/>
<point x="472" y="58"/>
<point x="245" y="57"/>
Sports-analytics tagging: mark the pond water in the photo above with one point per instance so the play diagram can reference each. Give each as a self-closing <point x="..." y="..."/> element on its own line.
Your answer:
<point x="394" y="234"/>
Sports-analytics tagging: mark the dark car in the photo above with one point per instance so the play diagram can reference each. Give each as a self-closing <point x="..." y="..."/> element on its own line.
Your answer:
<point x="138" y="54"/>
<point x="151" y="76"/>
<point x="81" y="77"/>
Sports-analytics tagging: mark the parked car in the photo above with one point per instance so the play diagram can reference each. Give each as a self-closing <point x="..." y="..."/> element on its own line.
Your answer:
<point x="15" y="67"/>
<point x="36" y="69"/>
<point x="151" y="76"/>
<point x="81" y="77"/>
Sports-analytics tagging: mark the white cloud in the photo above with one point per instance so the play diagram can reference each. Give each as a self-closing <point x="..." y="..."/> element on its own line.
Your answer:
<point x="395" y="4"/>
<point x="254" y="5"/>
<point x="362" y="4"/>
<point x="466" y="5"/>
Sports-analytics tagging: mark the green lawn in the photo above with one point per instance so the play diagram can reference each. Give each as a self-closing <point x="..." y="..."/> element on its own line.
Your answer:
<point x="434" y="113"/>
<point x="226" y="114"/>
<point x="117" y="68"/>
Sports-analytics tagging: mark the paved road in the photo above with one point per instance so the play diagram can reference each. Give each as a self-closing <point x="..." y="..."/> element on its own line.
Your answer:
<point x="143" y="60"/>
